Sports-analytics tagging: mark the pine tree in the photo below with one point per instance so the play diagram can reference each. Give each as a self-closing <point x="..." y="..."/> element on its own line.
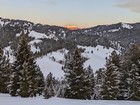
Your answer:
<point x="134" y="92"/>
<point x="131" y="76"/>
<point x="109" y="87"/>
<point x="25" y="78"/>
<point x="24" y="84"/>
<point x="90" y="82"/>
<point x="75" y="76"/>
<point x="62" y="88"/>
<point x="21" y="57"/>
<point x="5" y="70"/>
<point x="14" y="82"/>
<point x="49" y="89"/>
<point x="99" y="76"/>
<point x="40" y="81"/>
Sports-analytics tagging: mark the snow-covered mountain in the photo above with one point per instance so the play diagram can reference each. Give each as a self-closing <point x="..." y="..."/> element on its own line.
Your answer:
<point x="53" y="62"/>
<point x="50" y="43"/>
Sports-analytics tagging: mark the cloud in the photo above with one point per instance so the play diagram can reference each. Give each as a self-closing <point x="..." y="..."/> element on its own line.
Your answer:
<point x="133" y="5"/>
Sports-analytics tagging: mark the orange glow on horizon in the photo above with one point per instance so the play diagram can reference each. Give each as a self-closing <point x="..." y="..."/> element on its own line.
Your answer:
<point x="72" y="27"/>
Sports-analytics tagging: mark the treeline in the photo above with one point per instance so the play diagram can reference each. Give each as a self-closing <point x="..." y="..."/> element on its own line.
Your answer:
<point x="120" y="80"/>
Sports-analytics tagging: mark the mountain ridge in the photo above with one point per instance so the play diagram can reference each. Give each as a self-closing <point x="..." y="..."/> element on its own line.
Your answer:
<point x="117" y="36"/>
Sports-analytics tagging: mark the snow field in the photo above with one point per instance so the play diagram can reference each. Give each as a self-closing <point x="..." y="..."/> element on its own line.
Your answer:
<point x="6" y="99"/>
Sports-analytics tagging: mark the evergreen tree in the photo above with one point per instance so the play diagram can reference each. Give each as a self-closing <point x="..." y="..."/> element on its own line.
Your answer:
<point x="134" y="92"/>
<point x="14" y="82"/>
<point x="24" y="82"/>
<point x="90" y="82"/>
<point x="131" y="76"/>
<point x="62" y="88"/>
<point x="109" y="87"/>
<point x="49" y="89"/>
<point x="99" y="76"/>
<point x="25" y="78"/>
<point x="21" y="58"/>
<point x="75" y="76"/>
<point x="5" y="70"/>
<point x="40" y="81"/>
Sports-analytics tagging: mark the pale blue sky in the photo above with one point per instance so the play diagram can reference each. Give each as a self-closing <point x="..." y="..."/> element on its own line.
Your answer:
<point x="82" y="13"/>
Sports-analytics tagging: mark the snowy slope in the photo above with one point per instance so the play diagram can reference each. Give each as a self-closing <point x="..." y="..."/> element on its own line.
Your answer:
<point x="47" y="66"/>
<point x="6" y="99"/>
<point x="37" y="35"/>
<point x="96" y="60"/>
<point x="53" y="62"/>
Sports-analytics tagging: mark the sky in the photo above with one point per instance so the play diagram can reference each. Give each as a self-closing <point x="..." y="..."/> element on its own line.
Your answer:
<point x="81" y="13"/>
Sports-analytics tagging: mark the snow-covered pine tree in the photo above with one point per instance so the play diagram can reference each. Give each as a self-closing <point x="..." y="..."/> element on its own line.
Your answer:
<point x="40" y="81"/>
<point x="109" y="87"/>
<point x="99" y="77"/>
<point x="32" y="76"/>
<point x="24" y="82"/>
<point x="75" y="76"/>
<point x="24" y="79"/>
<point x="21" y="57"/>
<point x="116" y="60"/>
<point x="90" y="80"/>
<point x="62" y="88"/>
<point x="5" y="70"/>
<point x="131" y="77"/>
<point x="14" y="82"/>
<point x="123" y="84"/>
<point x="134" y="92"/>
<point x="49" y="89"/>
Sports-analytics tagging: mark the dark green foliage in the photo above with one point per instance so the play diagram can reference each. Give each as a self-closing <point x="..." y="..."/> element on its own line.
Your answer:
<point x="5" y="70"/>
<point x="90" y="80"/>
<point x="40" y="81"/>
<point x="25" y="76"/>
<point x="131" y="74"/>
<point x="49" y="87"/>
<point x="75" y="76"/>
<point x="14" y="83"/>
<point x="109" y="86"/>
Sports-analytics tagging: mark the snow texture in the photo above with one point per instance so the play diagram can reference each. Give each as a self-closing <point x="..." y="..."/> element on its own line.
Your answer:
<point x="9" y="53"/>
<point x="1" y="22"/>
<point x="114" y="30"/>
<point x="124" y="25"/>
<point x="33" y="48"/>
<point x="96" y="59"/>
<point x="51" y="61"/>
<point x="47" y="66"/>
<point x="37" y="35"/>
<point x="6" y="99"/>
